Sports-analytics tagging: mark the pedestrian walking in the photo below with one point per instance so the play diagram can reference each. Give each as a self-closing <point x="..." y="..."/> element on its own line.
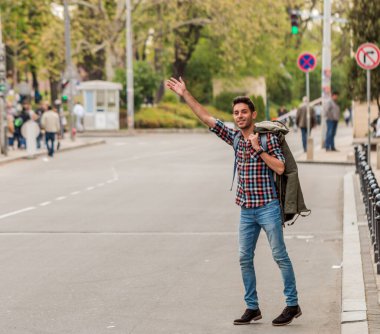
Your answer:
<point x="78" y="111"/>
<point x="281" y="111"/>
<point x="260" y="208"/>
<point x="39" y="112"/>
<point x="50" y="122"/>
<point x="301" y="121"/>
<point x="347" y="116"/>
<point x="332" y="115"/>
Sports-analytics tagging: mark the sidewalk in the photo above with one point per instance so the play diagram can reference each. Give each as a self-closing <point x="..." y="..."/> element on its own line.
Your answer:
<point x="360" y="283"/>
<point x="344" y="145"/>
<point x="66" y="145"/>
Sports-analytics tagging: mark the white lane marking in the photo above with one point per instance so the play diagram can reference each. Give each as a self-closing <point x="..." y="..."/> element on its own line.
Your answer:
<point x="45" y="203"/>
<point x="100" y="184"/>
<point x="337" y="266"/>
<point x="60" y="198"/>
<point x="90" y="188"/>
<point x="75" y="193"/>
<point x="305" y="236"/>
<point x="17" y="212"/>
<point x="110" y="181"/>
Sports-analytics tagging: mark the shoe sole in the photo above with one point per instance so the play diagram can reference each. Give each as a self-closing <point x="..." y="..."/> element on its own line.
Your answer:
<point x="247" y="323"/>
<point x="287" y="323"/>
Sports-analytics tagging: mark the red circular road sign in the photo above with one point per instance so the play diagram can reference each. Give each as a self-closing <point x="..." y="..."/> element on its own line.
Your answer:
<point x="306" y="62"/>
<point x="368" y="56"/>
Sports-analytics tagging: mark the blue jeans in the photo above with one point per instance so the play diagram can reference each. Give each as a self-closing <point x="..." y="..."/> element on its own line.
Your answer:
<point x="49" y="138"/>
<point x="330" y="134"/>
<point x="252" y="220"/>
<point x="304" y="138"/>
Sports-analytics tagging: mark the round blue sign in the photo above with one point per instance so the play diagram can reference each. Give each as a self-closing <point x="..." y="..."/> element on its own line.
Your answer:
<point x="306" y="62"/>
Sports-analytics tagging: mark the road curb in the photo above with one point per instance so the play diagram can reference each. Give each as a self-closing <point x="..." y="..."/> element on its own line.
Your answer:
<point x="131" y="133"/>
<point x="354" y="308"/>
<point x="8" y="160"/>
<point x="319" y="162"/>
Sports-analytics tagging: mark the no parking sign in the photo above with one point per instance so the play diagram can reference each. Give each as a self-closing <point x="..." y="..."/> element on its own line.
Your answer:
<point x="306" y="62"/>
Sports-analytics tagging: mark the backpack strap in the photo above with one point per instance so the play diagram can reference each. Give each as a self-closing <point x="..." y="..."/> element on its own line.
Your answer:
<point x="235" y="146"/>
<point x="263" y="141"/>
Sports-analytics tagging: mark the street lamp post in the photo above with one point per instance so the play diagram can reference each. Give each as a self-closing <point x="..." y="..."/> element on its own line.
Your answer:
<point x="129" y="63"/>
<point x="3" y="79"/>
<point x="69" y="67"/>
<point x="326" y="65"/>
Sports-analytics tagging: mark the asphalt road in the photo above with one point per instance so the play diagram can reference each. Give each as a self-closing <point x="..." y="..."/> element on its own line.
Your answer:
<point x="140" y="236"/>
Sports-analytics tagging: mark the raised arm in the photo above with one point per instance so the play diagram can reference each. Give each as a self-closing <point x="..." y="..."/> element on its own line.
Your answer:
<point x="179" y="88"/>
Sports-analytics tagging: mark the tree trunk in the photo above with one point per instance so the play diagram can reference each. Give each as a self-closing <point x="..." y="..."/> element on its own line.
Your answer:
<point x="37" y="95"/>
<point x="54" y="89"/>
<point x="110" y="61"/>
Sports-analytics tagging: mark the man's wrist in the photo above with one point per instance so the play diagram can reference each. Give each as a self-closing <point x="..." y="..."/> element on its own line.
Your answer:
<point x="259" y="151"/>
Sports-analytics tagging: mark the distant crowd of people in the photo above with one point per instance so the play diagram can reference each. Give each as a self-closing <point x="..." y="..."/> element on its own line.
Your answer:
<point x="42" y="127"/>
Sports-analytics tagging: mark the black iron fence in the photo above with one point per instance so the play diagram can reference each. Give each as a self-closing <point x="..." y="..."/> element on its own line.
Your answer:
<point x="371" y="196"/>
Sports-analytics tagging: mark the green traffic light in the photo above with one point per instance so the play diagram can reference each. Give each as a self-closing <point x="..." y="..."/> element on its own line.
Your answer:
<point x="295" y="30"/>
<point x="64" y="98"/>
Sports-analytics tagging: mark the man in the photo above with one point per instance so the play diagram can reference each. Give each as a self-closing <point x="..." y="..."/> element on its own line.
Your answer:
<point x="78" y="111"/>
<point x="332" y="114"/>
<point x="281" y="111"/>
<point x="50" y="122"/>
<point x="260" y="207"/>
<point x="39" y="112"/>
<point x="301" y="121"/>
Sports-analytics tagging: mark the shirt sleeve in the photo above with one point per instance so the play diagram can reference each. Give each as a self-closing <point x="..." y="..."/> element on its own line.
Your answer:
<point x="224" y="132"/>
<point x="274" y="148"/>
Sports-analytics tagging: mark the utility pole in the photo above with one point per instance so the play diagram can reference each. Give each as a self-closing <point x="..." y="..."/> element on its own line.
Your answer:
<point x="326" y="65"/>
<point x="3" y="81"/>
<point x="69" y="67"/>
<point x="129" y="63"/>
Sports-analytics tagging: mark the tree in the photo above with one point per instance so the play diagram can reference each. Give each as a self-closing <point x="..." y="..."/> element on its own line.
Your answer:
<point x="365" y="25"/>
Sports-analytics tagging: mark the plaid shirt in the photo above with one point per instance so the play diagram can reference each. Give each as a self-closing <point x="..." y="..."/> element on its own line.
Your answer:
<point x="254" y="187"/>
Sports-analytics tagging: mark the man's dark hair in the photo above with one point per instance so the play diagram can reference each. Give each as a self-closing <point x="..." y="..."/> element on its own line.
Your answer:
<point x="335" y="92"/>
<point x="246" y="100"/>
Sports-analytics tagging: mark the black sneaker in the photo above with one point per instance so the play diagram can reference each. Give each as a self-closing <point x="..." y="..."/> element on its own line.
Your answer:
<point x="287" y="316"/>
<point x="248" y="316"/>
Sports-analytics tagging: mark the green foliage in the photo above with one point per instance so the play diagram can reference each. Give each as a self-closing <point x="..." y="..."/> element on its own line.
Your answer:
<point x="224" y="101"/>
<point x="199" y="72"/>
<point x="158" y="118"/>
<point x="280" y="88"/>
<point x="145" y="82"/>
<point x="170" y="96"/>
<point x="173" y="115"/>
<point x="365" y="25"/>
<point x="259" y="106"/>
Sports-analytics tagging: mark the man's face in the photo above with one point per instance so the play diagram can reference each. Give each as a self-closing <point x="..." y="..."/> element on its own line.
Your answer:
<point x="335" y="97"/>
<point x="243" y="117"/>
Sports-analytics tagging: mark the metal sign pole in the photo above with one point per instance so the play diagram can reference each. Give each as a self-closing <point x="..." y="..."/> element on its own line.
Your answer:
<point x="308" y="104"/>
<point x="369" y="114"/>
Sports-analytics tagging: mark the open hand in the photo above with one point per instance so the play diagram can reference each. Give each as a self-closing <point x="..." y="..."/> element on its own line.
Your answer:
<point x="176" y="86"/>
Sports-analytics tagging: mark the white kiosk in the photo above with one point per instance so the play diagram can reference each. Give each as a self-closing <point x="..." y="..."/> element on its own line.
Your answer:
<point x="101" y="104"/>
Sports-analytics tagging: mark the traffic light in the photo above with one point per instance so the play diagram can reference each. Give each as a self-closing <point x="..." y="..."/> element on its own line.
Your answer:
<point x="294" y="18"/>
<point x="64" y="98"/>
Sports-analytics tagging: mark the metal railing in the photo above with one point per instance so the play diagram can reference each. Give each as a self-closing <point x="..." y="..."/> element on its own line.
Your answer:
<point x="371" y="197"/>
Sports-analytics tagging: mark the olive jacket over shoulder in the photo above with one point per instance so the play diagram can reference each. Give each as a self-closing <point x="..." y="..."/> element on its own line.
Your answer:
<point x="288" y="185"/>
